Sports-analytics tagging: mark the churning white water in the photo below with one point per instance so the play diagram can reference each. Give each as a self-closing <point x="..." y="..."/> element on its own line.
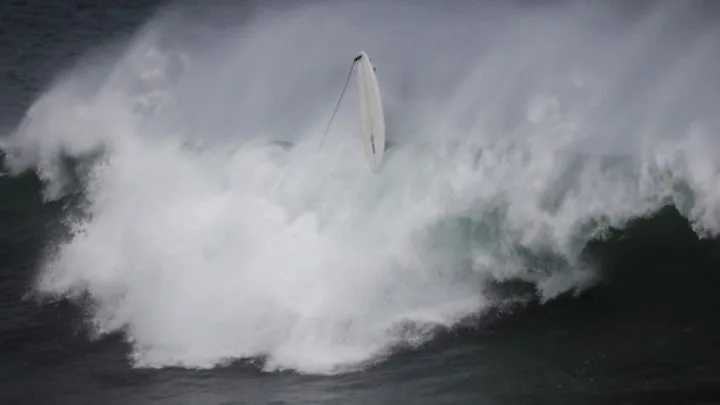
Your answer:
<point x="205" y="239"/>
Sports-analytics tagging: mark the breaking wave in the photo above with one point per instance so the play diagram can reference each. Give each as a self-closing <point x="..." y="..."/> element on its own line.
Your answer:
<point x="212" y="228"/>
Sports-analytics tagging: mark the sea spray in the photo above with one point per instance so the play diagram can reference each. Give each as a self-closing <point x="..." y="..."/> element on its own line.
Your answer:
<point x="214" y="229"/>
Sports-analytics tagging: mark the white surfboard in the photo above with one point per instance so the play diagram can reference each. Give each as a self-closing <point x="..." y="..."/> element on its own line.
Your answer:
<point x="371" y="113"/>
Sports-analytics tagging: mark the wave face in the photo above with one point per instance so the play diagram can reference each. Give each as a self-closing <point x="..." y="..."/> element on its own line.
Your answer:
<point x="212" y="228"/>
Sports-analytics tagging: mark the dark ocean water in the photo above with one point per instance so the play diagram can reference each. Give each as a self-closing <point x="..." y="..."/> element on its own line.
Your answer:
<point x="647" y="333"/>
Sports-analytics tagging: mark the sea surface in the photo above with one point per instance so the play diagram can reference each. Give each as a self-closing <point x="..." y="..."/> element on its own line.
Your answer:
<point x="543" y="229"/>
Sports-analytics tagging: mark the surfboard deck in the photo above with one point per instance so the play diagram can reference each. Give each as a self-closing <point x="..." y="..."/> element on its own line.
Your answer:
<point x="371" y="112"/>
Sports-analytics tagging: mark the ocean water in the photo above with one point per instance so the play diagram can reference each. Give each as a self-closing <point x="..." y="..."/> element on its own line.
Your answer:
<point x="543" y="229"/>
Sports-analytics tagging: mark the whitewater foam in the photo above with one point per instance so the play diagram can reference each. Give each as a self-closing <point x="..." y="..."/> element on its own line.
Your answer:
<point x="204" y="240"/>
